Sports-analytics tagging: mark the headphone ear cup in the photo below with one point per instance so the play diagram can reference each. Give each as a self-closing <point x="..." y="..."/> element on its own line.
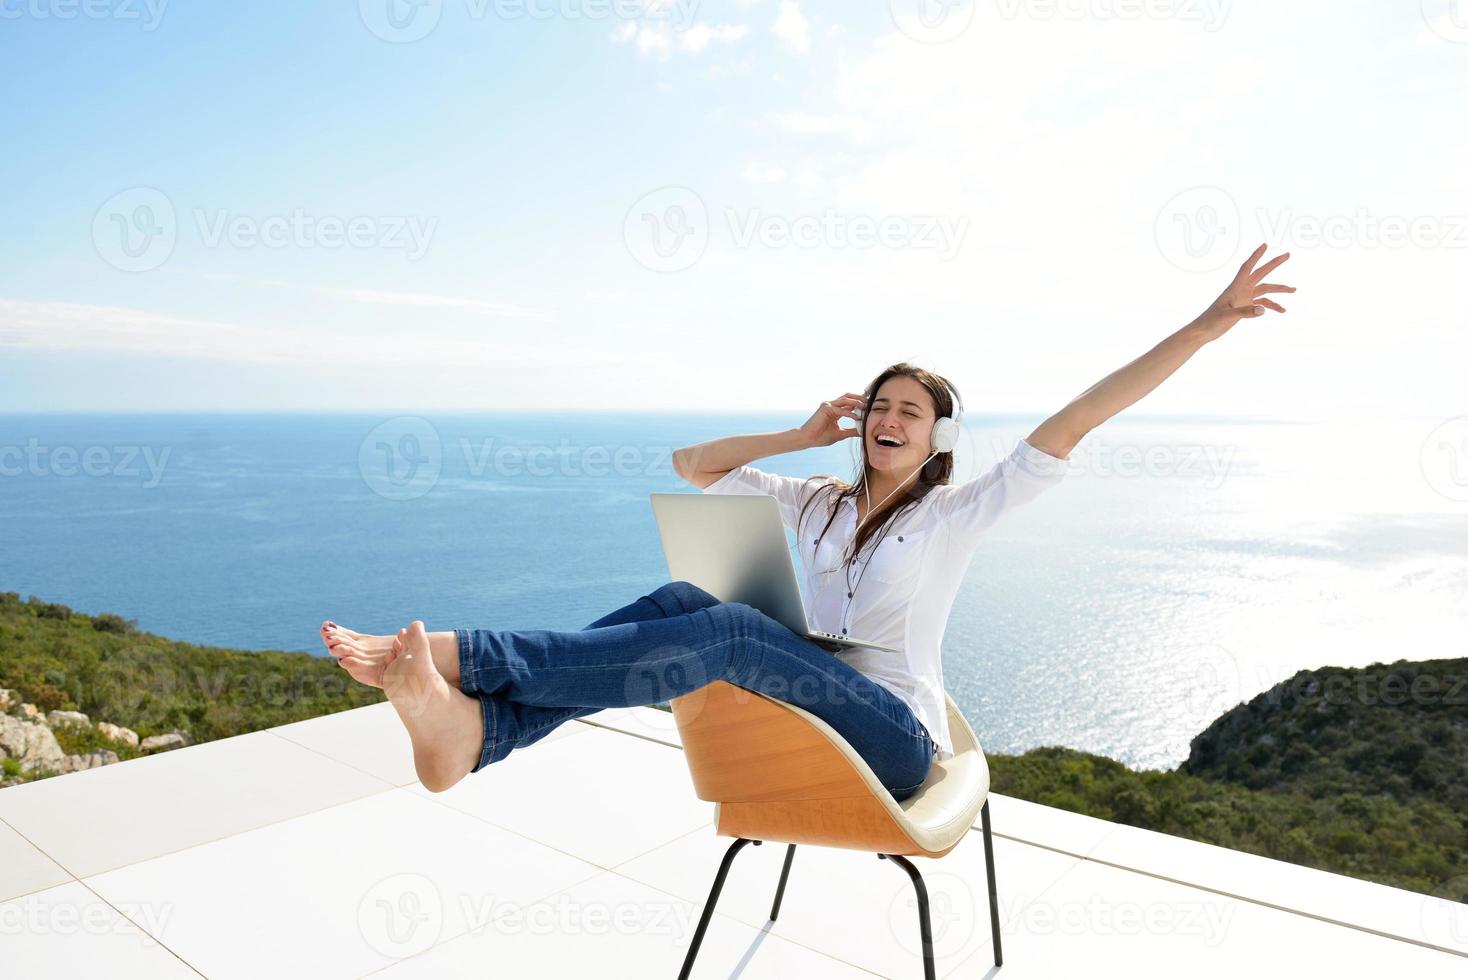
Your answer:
<point x="945" y="435"/>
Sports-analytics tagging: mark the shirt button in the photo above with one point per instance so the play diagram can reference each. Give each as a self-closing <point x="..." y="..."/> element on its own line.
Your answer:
<point x="843" y="629"/>
<point x="899" y="537"/>
<point x="848" y="595"/>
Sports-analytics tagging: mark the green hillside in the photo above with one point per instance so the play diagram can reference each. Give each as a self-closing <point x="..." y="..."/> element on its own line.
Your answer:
<point x="58" y="659"/>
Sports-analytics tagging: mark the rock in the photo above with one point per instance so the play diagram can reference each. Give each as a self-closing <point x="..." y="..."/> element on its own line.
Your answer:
<point x="58" y="718"/>
<point x="117" y="733"/>
<point x="30" y="712"/>
<point x="31" y="743"/>
<point x="91" y="760"/>
<point x="162" y="743"/>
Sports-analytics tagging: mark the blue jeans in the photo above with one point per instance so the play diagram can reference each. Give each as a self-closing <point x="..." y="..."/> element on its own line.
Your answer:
<point x="670" y="642"/>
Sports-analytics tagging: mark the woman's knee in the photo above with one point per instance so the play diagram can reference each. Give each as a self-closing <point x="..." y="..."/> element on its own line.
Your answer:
<point x="682" y="597"/>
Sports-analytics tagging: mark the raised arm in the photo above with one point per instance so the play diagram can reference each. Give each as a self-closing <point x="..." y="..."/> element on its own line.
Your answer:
<point x="1059" y="434"/>
<point x="704" y="463"/>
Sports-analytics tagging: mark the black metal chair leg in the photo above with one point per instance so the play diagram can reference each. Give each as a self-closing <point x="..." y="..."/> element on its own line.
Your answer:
<point x="993" y="893"/>
<point x="708" y="909"/>
<point x="925" y="925"/>
<point x="784" y="874"/>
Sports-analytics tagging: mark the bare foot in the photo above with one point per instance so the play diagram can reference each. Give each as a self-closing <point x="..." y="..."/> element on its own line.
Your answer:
<point x="366" y="656"/>
<point x="445" y="724"/>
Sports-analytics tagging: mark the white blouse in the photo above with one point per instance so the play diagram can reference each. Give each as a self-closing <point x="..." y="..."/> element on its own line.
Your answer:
<point x="905" y="586"/>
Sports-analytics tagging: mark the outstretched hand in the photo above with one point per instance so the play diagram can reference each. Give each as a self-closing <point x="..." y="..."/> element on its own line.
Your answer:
<point x="1244" y="296"/>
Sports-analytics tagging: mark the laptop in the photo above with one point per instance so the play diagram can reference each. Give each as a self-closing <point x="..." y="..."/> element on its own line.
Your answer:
<point x="733" y="546"/>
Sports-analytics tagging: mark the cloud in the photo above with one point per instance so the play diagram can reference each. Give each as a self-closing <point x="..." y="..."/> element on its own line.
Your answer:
<point x="808" y="124"/>
<point x="792" y="27"/>
<point x="658" y="38"/>
<point x="77" y="327"/>
<point x="430" y="301"/>
<point x="697" y="37"/>
<point x="762" y="173"/>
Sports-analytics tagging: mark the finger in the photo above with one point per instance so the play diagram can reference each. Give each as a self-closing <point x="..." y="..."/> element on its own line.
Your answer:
<point x="1249" y="311"/>
<point x="1270" y="287"/>
<point x="1270" y="267"/>
<point x="1249" y="262"/>
<point x="1272" y="305"/>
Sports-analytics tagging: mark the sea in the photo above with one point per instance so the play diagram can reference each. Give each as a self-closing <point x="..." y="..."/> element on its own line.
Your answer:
<point x="1185" y="564"/>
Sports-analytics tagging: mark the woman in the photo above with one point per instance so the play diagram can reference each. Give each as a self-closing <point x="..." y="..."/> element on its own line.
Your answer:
<point x="887" y="573"/>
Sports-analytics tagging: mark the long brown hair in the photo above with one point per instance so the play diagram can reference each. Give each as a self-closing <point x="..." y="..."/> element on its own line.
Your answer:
<point x="937" y="471"/>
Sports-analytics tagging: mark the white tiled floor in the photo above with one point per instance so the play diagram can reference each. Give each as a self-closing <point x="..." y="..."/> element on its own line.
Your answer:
<point x="24" y="868"/>
<point x="310" y="850"/>
<point x="116" y="815"/>
<point x="1097" y="920"/>
<point x="611" y="926"/>
<point x="339" y="892"/>
<point x="602" y="795"/>
<point x="854" y="905"/>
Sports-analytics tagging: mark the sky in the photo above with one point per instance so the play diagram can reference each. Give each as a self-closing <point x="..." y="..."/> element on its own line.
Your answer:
<point x="673" y="205"/>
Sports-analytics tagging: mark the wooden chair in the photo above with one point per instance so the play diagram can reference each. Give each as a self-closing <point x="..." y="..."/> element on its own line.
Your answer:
<point x="777" y="772"/>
